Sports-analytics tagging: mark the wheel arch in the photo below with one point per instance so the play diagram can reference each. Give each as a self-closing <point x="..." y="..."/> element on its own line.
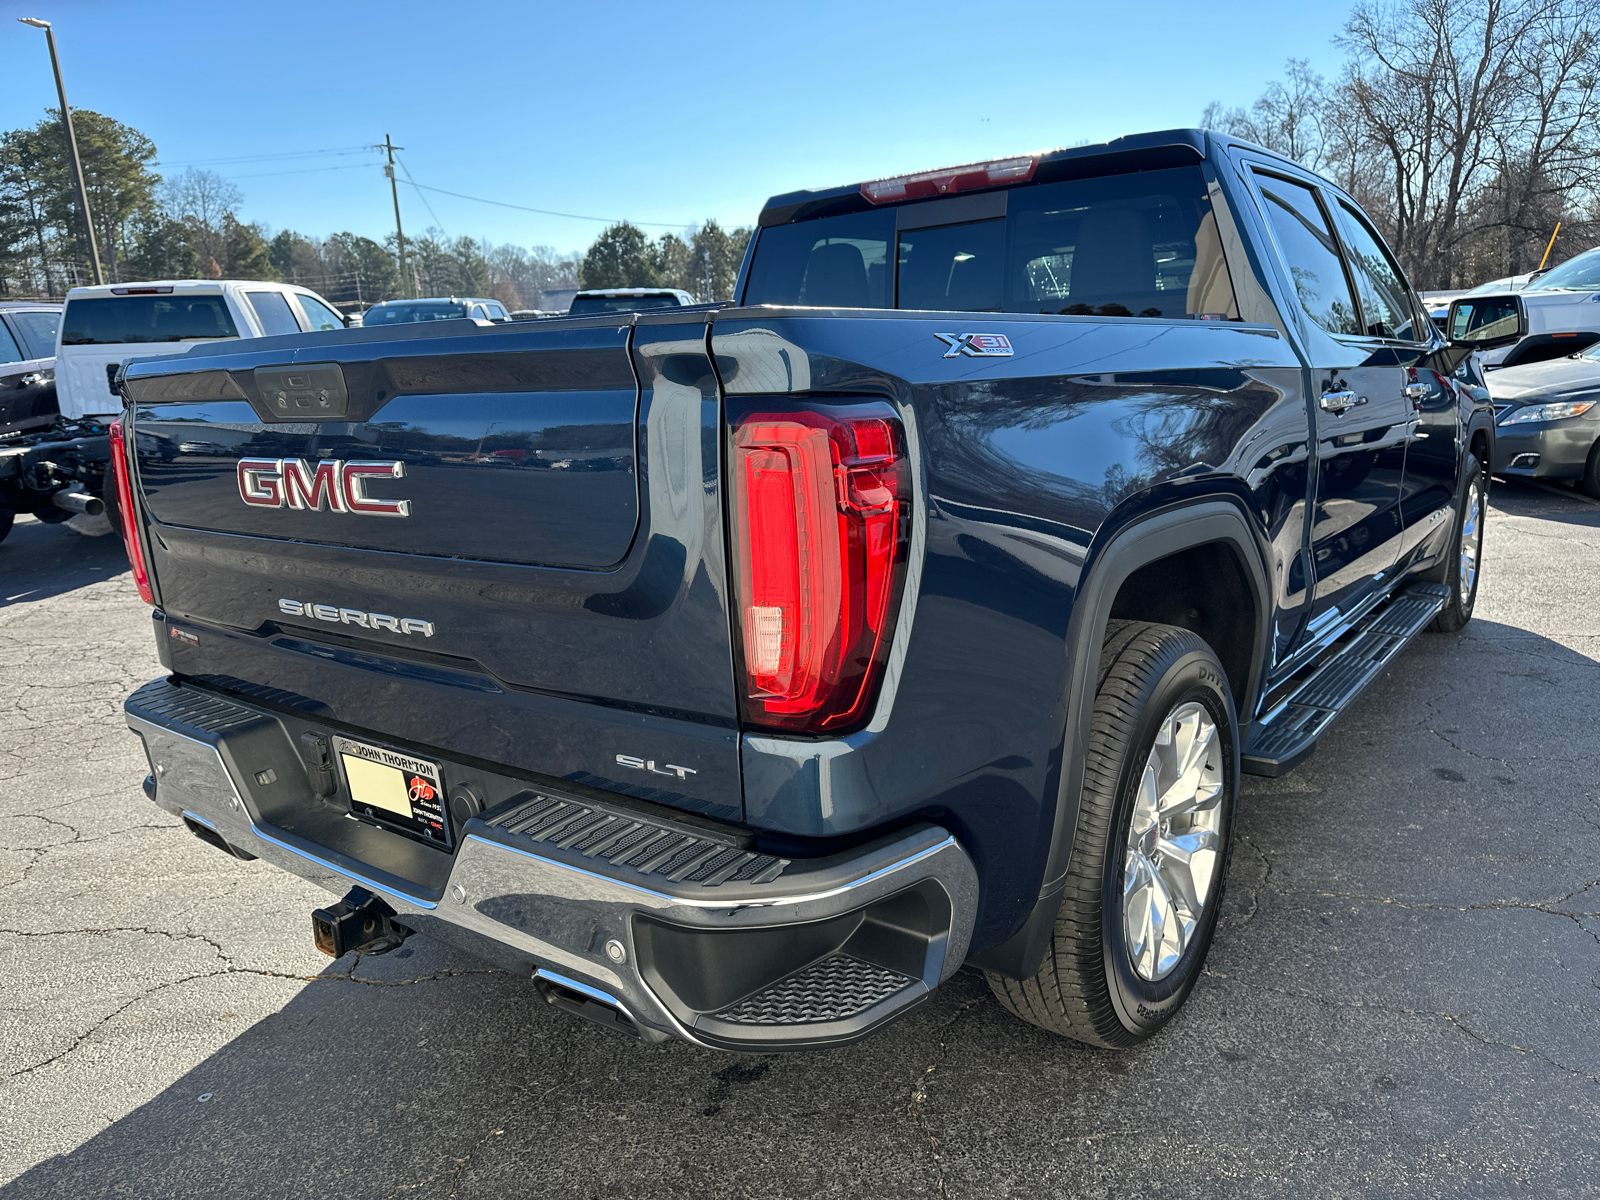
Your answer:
<point x="1214" y="526"/>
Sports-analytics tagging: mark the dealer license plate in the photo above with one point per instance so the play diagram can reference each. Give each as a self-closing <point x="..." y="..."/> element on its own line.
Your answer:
<point x="394" y="789"/>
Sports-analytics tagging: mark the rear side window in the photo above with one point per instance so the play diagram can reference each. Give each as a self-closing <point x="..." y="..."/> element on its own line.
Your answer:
<point x="1139" y="245"/>
<point x="274" y="312"/>
<point x="1310" y="253"/>
<point x="1385" y="299"/>
<point x="319" y="314"/>
<point x="116" y="320"/>
<point x="39" y="330"/>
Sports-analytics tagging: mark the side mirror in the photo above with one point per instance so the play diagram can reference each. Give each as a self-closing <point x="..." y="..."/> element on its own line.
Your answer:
<point x="1485" y="322"/>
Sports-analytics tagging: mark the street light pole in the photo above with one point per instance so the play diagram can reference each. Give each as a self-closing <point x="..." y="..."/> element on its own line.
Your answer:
<point x="72" y="144"/>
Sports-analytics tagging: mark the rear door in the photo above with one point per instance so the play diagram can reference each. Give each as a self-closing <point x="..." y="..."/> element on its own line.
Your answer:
<point x="488" y="542"/>
<point x="27" y="398"/>
<point x="1363" y="418"/>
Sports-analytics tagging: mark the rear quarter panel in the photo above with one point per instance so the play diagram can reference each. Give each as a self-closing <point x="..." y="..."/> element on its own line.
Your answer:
<point x="1025" y="466"/>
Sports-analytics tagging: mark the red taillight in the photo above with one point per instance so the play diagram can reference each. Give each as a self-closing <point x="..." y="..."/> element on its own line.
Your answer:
<point x="950" y="180"/>
<point x="820" y="511"/>
<point x="118" y="469"/>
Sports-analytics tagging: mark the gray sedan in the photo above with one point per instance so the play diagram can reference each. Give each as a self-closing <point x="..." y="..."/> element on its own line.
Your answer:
<point x="1547" y="418"/>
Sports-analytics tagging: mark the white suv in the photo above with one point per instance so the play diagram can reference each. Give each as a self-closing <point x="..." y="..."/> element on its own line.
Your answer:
<point x="105" y="326"/>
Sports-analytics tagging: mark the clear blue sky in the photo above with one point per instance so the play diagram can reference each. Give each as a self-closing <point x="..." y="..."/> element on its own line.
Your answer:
<point x="666" y="113"/>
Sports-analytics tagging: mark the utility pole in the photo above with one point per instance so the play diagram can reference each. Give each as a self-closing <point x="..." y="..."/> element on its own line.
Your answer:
<point x="72" y="143"/>
<point x="394" y="192"/>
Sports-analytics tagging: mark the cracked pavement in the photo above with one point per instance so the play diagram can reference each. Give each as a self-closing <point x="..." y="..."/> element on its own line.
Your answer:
<point x="1404" y="998"/>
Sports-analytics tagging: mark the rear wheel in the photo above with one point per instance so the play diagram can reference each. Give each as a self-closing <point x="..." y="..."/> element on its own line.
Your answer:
<point x="1591" y="473"/>
<point x="1155" y="824"/>
<point x="1464" y="566"/>
<point x="7" y="519"/>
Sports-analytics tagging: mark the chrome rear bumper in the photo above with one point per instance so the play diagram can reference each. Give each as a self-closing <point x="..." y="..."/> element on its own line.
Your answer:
<point x="823" y="954"/>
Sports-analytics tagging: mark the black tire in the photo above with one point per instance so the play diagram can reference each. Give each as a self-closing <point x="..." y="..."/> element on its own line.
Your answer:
<point x="1088" y="988"/>
<point x="7" y="519"/>
<point x="1457" y="610"/>
<point x="1591" y="473"/>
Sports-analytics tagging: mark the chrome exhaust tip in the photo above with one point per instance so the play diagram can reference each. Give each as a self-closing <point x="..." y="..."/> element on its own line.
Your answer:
<point x="79" y="502"/>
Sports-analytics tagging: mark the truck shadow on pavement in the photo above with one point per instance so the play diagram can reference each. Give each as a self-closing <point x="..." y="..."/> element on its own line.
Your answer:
<point x="1401" y="1000"/>
<point x="39" y="561"/>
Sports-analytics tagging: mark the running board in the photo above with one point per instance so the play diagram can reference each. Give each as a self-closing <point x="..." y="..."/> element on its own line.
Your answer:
<point x="1311" y="701"/>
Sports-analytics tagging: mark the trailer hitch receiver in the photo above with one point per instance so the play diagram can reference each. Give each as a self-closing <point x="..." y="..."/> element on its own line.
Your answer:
<point x="358" y="922"/>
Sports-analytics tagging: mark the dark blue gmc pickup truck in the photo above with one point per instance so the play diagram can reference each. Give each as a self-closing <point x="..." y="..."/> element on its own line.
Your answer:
<point x="739" y="673"/>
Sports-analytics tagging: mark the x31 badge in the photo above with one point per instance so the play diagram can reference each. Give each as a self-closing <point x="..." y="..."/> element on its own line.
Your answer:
<point x="976" y="345"/>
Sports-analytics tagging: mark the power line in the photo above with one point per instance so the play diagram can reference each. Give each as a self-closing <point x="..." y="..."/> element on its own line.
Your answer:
<point x="245" y="158"/>
<point x="424" y="199"/>
<point x="545" y="211"/>
<point x="306" y="171"/>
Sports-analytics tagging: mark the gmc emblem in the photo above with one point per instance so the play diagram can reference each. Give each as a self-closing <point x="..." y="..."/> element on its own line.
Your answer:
<point x="332" y="484"/>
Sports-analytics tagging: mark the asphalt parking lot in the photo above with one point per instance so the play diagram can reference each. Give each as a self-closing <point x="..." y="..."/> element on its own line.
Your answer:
<point x="1404" y="999"/>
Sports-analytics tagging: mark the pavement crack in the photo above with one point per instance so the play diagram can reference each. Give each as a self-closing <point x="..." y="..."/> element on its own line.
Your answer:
<point x="454" y="1173"/>
<point x="1453" y="1019"/>
<point x="921" y="1089"/>
<point x="1265" y="882"/>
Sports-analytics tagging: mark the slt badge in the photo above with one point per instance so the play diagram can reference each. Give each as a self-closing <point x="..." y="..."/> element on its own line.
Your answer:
<point x="649" y="764"/>
<point x="976" y="345"/>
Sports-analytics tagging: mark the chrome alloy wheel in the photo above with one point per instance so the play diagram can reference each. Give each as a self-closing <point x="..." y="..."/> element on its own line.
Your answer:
<point x="1173" y="841"/>
<point x="1471" y="542"/>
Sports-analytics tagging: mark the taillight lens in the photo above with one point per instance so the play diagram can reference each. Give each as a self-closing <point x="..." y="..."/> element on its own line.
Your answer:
<point x="118" y="467"/>
<point x="820" y="528"/>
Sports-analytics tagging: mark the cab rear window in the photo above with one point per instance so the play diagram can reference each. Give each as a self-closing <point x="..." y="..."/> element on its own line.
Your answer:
<point x="1140" y="245"/>
<point x="117" y="320"/>
<point x="406" y="314"/>
<point x="611" y="304"/>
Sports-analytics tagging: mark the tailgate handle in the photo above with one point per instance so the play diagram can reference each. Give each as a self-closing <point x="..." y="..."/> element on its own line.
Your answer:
<point x="303" y="392"/>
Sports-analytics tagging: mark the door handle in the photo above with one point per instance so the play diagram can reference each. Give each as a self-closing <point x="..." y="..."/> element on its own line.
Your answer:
<point x="1337" y="402"/>
<point x="31" y="379"/>
<point x="1417" y="391"/>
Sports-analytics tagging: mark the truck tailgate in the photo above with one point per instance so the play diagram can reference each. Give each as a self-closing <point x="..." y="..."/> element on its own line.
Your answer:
<point x="502" y="543"/>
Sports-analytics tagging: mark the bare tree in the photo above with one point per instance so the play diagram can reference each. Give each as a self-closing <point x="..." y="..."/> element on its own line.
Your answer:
<point x="202" y="201"/>
<point x="1451" y="93"/>
<point x="1467" y="128"/>
<point x="1288" y="119"/>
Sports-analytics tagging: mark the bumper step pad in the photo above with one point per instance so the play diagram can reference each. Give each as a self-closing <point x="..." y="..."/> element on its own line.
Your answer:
<point x="624" y="840"/>
<point x="835" y="989"/>
<point x="1319" y="694"/>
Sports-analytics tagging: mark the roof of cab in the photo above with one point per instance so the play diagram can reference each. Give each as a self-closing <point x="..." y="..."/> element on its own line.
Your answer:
<point x="200" y="286"/>
<point x="1168" y="147"/>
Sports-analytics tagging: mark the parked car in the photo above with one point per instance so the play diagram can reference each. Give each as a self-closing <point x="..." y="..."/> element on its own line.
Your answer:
<point x="922" y="609"/>
<point x="1563" y="307"/>
<point x="28" y="365"/>
<point x="1547" y="418"/>
<point x="438" y="308"/>
<point x="620" y="300"/>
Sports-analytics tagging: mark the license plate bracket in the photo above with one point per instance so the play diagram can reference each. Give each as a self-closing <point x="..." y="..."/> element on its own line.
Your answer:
<point x="395" y="790"/>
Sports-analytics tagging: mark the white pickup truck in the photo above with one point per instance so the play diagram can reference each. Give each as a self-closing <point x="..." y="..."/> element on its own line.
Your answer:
<point x="57" y="471"/>
<point x="1563" y="308"/>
